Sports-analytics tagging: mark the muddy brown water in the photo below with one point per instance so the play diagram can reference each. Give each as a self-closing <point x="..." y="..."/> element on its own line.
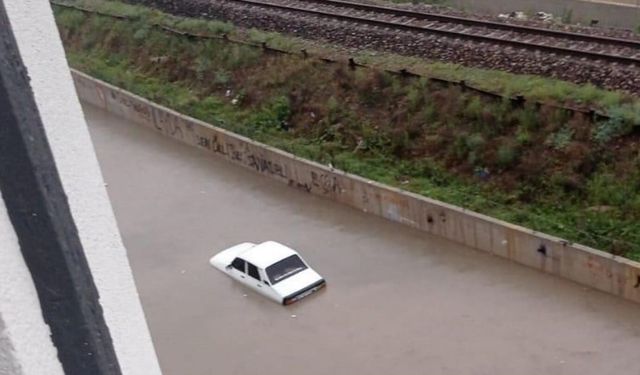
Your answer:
<point x="398" y="301"/>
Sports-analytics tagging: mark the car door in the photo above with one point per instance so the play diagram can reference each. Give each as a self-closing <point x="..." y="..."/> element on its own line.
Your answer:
<point x="254" y="280"/>
<point x="268" y="290"/>
<point x="238" y="270"/>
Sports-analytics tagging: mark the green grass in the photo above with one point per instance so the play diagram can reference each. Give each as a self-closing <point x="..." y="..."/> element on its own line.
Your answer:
<point x="532" y="87"/>
<point x="195" y="75"/>
<point x="427" y="179"/>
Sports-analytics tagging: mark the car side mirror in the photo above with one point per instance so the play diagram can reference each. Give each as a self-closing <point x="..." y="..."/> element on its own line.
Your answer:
<point x="266" y="282"/>
<point x="228" y="267"/>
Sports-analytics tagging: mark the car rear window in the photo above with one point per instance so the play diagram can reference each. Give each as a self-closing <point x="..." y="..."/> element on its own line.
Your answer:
<point x="238" y="264"/>
<point x="285" y="268"/>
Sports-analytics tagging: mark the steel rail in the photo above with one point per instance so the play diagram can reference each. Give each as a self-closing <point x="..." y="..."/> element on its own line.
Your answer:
<point x="449" y="33"/>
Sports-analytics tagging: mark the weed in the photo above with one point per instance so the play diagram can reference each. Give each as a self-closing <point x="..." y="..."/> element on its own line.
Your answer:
<point x="399" y="142"/>
<point x="429" y="113"/>
<point x="459" y="148"/>
<point x="380" y="137"/>
<point x="567" y="16"/>
<point x="415" y="99"/>
<point x="529" y="118"/>
<point x="333" y="109"/>
<point x="606" y="189"/>
<point x="474" y="108"/>
<point x="222" y="78"/>
<point x="475" y="142"/>
<point x="588" y="94"/>
<point x="211" y="27"/>
<point x="560" y="139"/>
<point x="507" y="155"/>
<point x="271" y="116"/>
<point x="533" y="87"/>
<point x="617" y="125"/>
<point x="523" y="137"/>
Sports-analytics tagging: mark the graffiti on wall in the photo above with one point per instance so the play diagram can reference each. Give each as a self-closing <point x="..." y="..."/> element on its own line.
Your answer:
<point x="241" y="153"/>
<point x="176" y="126"/>
<point x="326" y="183"/>
<point x="169" y="124"/>
<point x="300" y="185"/>
<point x="142" y="110"/>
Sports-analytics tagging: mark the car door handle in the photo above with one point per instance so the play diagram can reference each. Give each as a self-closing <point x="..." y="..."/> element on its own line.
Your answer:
<point x="259" y="286"/>
<point x="242" y="276"/>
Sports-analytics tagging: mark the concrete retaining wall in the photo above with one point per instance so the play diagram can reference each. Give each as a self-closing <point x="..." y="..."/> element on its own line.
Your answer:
<point x="581" y="264"/>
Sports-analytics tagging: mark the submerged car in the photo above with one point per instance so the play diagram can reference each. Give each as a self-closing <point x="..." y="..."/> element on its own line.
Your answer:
<point x="271" y="269"/>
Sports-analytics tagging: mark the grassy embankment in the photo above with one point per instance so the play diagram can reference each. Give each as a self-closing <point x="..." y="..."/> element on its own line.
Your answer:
<point x="538" y="167"/>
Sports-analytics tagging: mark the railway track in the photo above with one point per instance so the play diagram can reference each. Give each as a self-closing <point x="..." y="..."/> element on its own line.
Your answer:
<point x="582" y="46"/>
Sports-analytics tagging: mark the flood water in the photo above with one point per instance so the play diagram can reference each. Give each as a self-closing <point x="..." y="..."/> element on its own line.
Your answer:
<point x="398" y="301"/>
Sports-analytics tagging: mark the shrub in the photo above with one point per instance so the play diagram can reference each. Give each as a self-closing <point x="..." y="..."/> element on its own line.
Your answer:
<point x="274" y="115"/>
<point x="281" y="109"/>
<point x="333" y="110"/>
<point x="605" y="188"/>
<point x="507" y="155"/>
<point x="222" y="77"/>
<point x="369" y="89"/>
<point x="567" y="16"/>
<point x="523" y="137"/>
<point x="589" y="93"/>
<point x="475" y="142"/>
<point x="430" y="113"/>
<point x="460" y="148"/>
<point x="399" y="141"/>
<point x="374" y="140"/>
<point x="474" y="108"/>
<point x="415" y="99"/>
<point x="142" y="33"/>
<point x="356" y="127"/>
<point x="618" y="125"/>
<point x="560" y="139"/>
<point x="468" y="146"/>
<point x="529" y="118"/>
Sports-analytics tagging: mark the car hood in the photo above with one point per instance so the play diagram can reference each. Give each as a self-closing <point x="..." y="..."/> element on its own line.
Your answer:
<point x="296" y="282"/>
<point x="225" y="257"/>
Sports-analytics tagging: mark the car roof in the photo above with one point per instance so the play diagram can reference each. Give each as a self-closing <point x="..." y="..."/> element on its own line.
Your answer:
<point x="267" y="253"/>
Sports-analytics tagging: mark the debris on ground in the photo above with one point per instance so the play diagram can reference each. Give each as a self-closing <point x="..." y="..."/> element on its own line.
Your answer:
<point x="518" y="15"/>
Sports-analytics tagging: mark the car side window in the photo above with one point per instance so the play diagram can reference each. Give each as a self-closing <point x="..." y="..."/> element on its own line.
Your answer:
<point x="238" y="264"/>
<point x="253" y="271"/>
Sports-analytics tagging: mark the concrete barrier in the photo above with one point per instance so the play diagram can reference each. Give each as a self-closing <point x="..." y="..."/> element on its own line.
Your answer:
<point x="594" y="268"/>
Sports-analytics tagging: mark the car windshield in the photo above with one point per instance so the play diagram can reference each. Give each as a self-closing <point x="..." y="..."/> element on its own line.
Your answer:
<point x="285" y="268"/>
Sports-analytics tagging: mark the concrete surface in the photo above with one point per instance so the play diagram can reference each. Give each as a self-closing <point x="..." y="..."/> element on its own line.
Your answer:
<point x="43" y="55"/>
<point x="591" y="267"/>
<point x="25" y="342"/>
<point x="399" y="301"/>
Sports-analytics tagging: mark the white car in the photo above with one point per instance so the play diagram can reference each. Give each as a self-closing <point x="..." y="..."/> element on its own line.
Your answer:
<point x="271" y="269"/>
